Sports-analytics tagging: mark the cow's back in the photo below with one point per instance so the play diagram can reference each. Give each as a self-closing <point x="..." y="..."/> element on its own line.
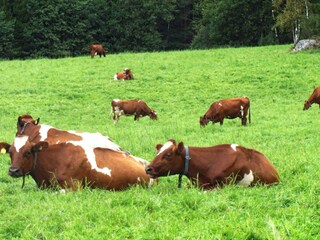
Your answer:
<point x="263" y="169"/>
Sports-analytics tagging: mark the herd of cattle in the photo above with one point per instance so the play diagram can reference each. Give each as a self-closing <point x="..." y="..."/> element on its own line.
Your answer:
<point x="72" y="160"/>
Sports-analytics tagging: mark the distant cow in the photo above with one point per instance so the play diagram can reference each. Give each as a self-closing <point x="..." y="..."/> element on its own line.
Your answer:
<point x="75" y="164"/>
<point x="126" y="74"/>
<point x="138" y="108"/>
<point x="228" y="108"/>
<point x="210" y="167"/>
<point x="314" y="98"/>
<point x="97" y="49"/>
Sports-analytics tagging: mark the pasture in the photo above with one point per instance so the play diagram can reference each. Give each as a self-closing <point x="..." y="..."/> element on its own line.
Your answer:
<point x="76" y="93"/>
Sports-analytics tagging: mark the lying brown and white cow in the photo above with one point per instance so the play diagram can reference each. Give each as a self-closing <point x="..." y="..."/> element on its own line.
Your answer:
<point x="28" y="130"/>
<point x="75" y="164"/>
<point x="126" y="74"/>
<point x="97" y="49"/>
<point x="210" y="167"/>
<point x="138" y="108"/>
<point x="229" y="108"/>
<point x="314" y="98"/>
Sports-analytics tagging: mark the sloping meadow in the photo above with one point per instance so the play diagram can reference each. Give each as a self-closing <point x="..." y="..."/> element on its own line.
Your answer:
<point x="76" y="93"/>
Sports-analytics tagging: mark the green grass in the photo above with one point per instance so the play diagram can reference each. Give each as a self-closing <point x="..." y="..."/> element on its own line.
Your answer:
<point x="75" y="94"/>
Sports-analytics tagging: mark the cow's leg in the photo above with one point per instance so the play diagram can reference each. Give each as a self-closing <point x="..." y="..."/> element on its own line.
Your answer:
<point x="221" y="122"/>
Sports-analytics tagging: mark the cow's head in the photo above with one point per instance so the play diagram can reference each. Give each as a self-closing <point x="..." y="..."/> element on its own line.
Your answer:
<point x="203" y="121"/>
<point x="23" y="120"/>
<point x="169" y="160"/>
<point x="153" y="115"/>
<point x="23" y="157"/>
<point x="307" y="105"/>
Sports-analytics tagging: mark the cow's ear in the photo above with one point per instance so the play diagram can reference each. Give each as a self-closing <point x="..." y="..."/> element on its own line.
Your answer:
<point x="158" y="147"/>
<point x="40" y="146"/>
<point x="180" y="147"/>
<point x="36" y="122"/>
<point x="4" y="147"/>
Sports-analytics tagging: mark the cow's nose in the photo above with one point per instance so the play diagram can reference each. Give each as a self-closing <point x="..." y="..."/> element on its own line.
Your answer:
<point x="13" y="171"/>
<point x="148" y="170"/>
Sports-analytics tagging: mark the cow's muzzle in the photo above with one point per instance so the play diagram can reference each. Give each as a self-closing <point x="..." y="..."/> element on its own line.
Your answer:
<point x="15" y="172"/>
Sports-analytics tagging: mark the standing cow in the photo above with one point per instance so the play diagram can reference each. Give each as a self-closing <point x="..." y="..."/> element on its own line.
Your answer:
<point x="126" y="74"/>
<point x="97" y="49"/>
<point x="229" y="108"/>
<point x="210" y="167"/>
<point x="138" y="108"/>
<point x="314" y="98"/>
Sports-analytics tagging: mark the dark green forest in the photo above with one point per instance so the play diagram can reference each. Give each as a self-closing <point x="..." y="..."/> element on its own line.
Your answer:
<point x="61" y="28"/>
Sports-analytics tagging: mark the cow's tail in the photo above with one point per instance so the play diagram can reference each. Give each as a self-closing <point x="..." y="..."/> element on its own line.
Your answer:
<point x="249" y="115"/>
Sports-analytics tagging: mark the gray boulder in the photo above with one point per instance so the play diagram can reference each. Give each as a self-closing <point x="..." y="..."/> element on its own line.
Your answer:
<point x="306" y="44"/>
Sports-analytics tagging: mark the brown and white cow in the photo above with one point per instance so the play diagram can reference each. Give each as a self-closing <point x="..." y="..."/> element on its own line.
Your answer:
<point x="29" y="130"/>
<point x="138" y="108"/>
<point x="75" y="164"/>
<point x="228" y="108"/>
<point x="210" y="167"/>
<point x="314" y="98"/>
<point x="126" y="74"/>
<point x="97" y="49"/>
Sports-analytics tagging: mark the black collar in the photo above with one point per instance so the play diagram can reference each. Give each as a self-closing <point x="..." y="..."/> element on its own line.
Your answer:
<point x="187" y="159"/>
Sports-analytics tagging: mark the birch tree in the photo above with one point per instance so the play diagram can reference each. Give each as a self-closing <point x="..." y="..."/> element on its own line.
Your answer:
<point x="290" y="14"/>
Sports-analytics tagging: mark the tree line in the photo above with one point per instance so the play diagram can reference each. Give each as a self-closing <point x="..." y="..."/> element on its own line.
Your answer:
<point x="59" y="28"/>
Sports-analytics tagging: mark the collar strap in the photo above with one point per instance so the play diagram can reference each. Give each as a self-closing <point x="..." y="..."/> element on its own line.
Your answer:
<point x="187" y="159"/>
<point x="186" y="162"/>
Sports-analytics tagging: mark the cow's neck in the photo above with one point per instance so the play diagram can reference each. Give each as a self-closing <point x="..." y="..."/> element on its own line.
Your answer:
<point x="196" y="168"/>
<point x="31" y="130"/>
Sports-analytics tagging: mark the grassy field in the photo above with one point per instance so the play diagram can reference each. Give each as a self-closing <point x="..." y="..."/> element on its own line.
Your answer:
<point x="75" y="94"/>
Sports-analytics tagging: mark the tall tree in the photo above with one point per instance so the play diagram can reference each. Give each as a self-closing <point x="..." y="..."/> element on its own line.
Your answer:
<point x="290" y="15"/>
<point x="234" y="22"/>
<point x="6" y="36"/>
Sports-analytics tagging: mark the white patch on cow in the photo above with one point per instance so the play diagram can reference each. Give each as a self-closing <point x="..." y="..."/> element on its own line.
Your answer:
<point x="19" y="142"/>
<point x="118" y="111"/>
<point x="116" y="100"/>
<point x="138" y="179"/>
<point x="165" y="146"/>
<point x="95" y="140"/>
<point x="44" y="131"/>
<point x="220" y="104"/>
<point x="115" y="77"/>
<point x="89" y="151"/>
<point x="234" y="147"/>
<point x="241" y="110"/>
<point x="247" y="179"/>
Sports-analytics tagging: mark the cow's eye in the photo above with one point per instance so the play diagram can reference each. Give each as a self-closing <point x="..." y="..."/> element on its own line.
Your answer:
<point x="27" y="154"/>
<point x="168" y="155"/>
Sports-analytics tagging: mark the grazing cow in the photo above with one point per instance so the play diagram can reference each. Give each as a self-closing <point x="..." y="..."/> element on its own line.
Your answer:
<point x="75" y="164"/>
<point x="97" y="49"/>
<point x="126" y="74"/>
<point x="314" y="98"/>
<point x="215" y="166"/>
<point x="138" y="108"/>
<point x="228" y="108"/>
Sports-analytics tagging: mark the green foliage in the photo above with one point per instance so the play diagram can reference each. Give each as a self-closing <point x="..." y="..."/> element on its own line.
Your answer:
<point x="75" y="93"/>
<point x="233" y="22"/>
<point x="6" y="36"/>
